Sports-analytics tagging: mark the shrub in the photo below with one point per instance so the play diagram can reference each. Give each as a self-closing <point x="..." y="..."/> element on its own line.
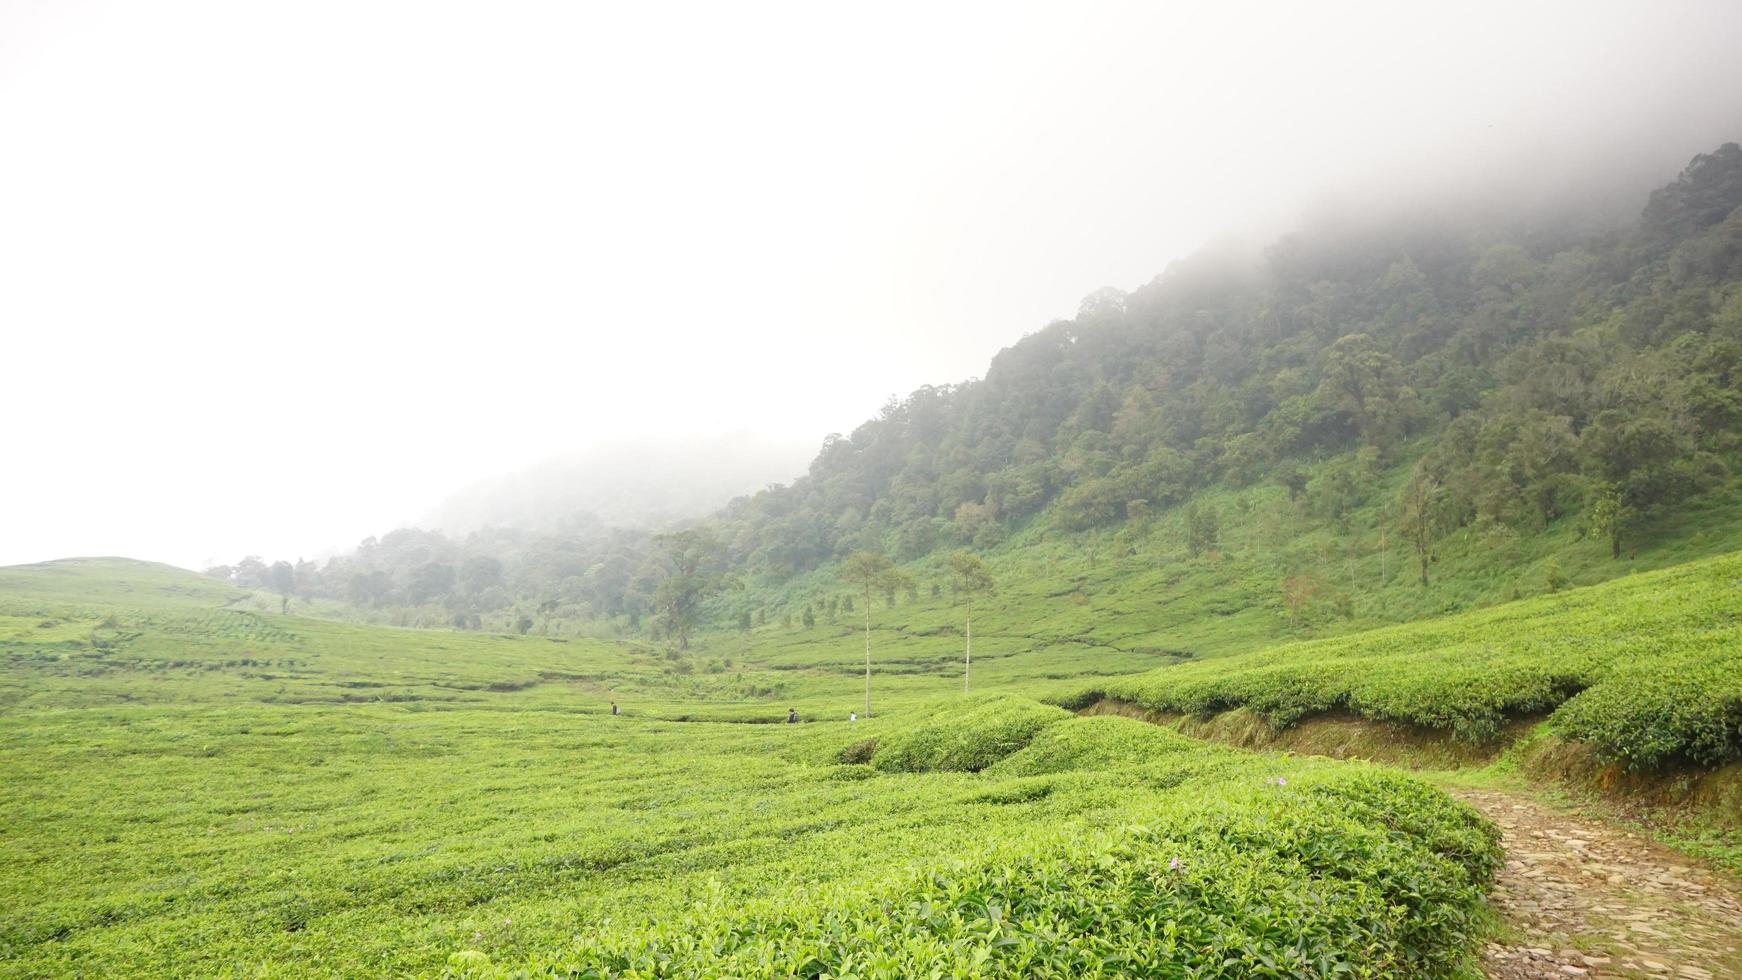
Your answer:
<point x="1092" y="743"/>
<point x="1343" y="872"/>
<point x="1644" y="668"/>
<point x="965" y="739"/>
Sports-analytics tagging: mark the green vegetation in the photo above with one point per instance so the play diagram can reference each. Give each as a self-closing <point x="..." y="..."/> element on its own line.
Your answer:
<point x="969" y="738"/>
<point x="969" y="578"/>
<point x="1322" y="874"/>
<point x="1648" y="669"/>
<point x="1449" y="428"/>
<point x="1093" y="742"/>
<point x="198" y="787"/>
<point x="1369" y="423"/>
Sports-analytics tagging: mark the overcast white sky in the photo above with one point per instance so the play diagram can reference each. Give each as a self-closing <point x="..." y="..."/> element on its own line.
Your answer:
<point x="276" y="276"/>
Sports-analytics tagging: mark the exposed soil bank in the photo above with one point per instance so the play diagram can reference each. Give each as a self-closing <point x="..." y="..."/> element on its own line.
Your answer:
<point x="1578" y="896"/>
<point x="1711" y="796"/>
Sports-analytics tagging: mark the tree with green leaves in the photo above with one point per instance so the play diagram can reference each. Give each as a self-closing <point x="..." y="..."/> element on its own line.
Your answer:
<point x="1363" y="389"/>
<point x="1421" y="501"/>
<point x="282" y="576"/>
<point x="970" y="577"/>
<point x="480" y="572"/>
<point x="871" y="571"/>
<point x="1203" y="525"/>
<point x="429" y="581"/>
<point x="1608" y="516"/>
<point x="695" y="572"/>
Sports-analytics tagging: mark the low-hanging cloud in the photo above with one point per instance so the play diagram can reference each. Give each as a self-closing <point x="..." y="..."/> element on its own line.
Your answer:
<point x="274" y="278"/>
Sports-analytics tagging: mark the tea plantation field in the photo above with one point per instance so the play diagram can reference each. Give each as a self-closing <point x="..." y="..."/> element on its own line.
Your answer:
<point x="196" y="787"/>
<point x="1646" y="668"/>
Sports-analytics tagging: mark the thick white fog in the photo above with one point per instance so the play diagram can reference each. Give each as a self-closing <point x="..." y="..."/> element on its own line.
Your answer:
<point x="274" y="277"/>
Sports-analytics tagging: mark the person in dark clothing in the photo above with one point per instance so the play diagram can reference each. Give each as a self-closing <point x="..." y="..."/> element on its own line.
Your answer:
<point x="792" y="716"/>
<point x="615" y="710"/>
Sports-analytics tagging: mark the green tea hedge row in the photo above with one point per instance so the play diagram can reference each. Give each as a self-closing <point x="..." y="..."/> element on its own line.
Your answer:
<point x="1647" y="668"/>
<point x="967" y="738"/>
<point x="1330" y="872"/>
<point x="1669" y="708"/>
<point x="1095" y="742"/>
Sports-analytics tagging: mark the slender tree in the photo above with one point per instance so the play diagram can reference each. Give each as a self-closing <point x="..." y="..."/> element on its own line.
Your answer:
<point x="871" y="571"/>
<point x="1609" y="516"/>
<point x="282" y="576"/>
<point x="695" y="562"/>
<point x="971" y="578"/>
<point x="1203" y="524"/>
<point x="1421" y="498"/>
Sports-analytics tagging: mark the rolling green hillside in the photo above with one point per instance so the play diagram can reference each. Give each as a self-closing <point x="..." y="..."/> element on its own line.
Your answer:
<point x="198" y="787"/>
<point x="91" y="633"/>
<point x="1370" y="422"/>
<point x="279" y="795"/>
<point x="1401" y="474"/>
<point x="104" y="583"/>
<point x="1275" y="573"/>
<point x="1647" y="669"/>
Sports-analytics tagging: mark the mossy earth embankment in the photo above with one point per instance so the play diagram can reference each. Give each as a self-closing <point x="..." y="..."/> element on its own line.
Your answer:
<point x="1644" y="672"/>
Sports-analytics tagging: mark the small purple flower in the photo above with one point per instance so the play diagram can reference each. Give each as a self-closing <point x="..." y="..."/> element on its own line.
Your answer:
<point x="1281" y="781"/>
<point x="1173" y="865"/>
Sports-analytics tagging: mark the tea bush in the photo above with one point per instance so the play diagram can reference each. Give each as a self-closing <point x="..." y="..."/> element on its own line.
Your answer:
<point x="1646" y="668"/>
<point x="1670" y="709"/>
<point x="1321" y="877"/>
<point x="226" y="791"/>
<point x="1092" y="743"/>
<point x="967" y="737"/>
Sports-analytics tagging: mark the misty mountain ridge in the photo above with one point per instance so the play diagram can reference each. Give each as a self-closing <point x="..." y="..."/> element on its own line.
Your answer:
<point x="637" y="483"/>
<point x="1388" y="385"/>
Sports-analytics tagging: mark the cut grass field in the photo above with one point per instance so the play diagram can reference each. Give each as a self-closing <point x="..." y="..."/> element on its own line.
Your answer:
<point x="196" y="787"/>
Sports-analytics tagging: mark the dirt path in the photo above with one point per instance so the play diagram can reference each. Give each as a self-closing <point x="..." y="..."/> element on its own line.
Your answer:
<point x="1584" y="898"/>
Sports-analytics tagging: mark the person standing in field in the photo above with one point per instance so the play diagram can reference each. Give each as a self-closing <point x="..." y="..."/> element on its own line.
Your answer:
<point x="615" y="710"/>
<point x="852" y="716"/>
<point x="792" y="716"/>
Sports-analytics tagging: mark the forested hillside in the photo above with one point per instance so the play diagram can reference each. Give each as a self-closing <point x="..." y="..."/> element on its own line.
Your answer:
<point x="1416" y="377"/>
<point x="1553" y="374"/>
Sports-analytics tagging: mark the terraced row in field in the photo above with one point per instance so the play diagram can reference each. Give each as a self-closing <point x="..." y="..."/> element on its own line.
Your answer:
<point x="373" y="839"/>
<point x="1647" y="668"/>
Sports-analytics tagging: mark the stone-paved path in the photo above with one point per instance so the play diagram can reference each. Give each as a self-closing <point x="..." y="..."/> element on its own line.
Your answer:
<point x="1590" y="899"/>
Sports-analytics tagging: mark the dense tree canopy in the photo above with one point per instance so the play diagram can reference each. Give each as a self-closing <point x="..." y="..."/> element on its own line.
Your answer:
<point x="1528" y="370"/>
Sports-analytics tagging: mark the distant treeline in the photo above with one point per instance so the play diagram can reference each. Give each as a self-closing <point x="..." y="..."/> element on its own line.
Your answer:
<point x="1526" y="370"/>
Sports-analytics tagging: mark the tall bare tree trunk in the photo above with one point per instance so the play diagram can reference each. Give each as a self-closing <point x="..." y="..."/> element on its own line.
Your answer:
<point x="968" y="655"/>
<point x="867" y="652"/>
<point x="1382" y="556"/>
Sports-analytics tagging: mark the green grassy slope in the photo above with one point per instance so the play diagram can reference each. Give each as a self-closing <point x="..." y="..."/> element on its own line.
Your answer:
<point x="1647" y="668"/>
<point x="103" y="633"/>
<point x="103" y="583"/>
<point x="1111" y="602"/>
<point x="197" y="787"/>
